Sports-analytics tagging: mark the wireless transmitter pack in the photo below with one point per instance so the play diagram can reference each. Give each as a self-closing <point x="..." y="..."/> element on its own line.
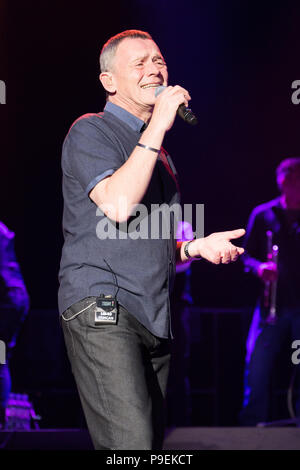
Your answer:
<point x="106" y="312"/>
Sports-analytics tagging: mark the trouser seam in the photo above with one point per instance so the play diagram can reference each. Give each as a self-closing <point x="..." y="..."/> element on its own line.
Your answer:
<point x="72" y="339"/>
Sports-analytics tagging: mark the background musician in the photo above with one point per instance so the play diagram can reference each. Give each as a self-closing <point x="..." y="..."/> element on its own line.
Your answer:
<point x="14" y="306"/>
<point x="281" y="217"/>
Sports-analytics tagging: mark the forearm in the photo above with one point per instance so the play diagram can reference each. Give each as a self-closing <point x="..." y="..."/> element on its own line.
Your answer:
<point x="128" y="185"/>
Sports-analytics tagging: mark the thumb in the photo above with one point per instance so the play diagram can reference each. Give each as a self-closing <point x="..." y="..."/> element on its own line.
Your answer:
<point x="230" y="234"/>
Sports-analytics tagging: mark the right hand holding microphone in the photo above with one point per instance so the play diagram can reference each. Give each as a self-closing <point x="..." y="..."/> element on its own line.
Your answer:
<point x="166" y="106"/>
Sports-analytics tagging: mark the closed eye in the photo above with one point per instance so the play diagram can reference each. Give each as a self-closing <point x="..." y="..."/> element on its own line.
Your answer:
<point x="159" y="62"/>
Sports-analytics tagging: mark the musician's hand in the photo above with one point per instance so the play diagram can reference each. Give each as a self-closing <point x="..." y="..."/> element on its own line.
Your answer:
<point x="267" y="271"/>
<point x="217" y="247"/>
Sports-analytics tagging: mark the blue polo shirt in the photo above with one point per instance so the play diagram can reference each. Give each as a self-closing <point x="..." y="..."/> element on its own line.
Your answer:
<point x="140" y="269"/>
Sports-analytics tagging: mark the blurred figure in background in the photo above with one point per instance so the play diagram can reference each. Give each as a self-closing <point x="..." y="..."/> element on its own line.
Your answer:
<point x="14" y="305"/>
<point x="272" y="253"/>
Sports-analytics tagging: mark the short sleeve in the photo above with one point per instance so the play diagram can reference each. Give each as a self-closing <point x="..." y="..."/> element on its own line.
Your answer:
<point x="90" y="153"/>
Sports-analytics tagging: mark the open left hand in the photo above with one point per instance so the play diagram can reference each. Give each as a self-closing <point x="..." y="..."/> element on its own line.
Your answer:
<point x="217" y="247"/>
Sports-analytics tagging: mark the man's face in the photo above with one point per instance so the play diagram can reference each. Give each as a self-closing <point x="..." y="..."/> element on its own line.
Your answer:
<point x="138" y="68"/>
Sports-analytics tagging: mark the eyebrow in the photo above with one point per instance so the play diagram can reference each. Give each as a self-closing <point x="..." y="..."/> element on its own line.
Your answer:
<point x="157" y="56"/>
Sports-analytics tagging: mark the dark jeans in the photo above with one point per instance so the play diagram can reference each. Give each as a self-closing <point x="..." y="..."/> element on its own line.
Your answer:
<point x="264" y="344"/>
<point x="121" y="373"/>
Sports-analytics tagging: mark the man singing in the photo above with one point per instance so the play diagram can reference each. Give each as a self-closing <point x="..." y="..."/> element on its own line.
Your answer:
<point x="114" y="290"/>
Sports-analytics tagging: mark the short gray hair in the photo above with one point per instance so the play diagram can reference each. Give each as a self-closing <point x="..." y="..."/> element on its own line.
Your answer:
<point x="109" y="49"/>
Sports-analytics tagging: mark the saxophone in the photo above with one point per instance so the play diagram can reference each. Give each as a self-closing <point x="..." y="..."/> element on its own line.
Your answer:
<point x="270" y="290"/>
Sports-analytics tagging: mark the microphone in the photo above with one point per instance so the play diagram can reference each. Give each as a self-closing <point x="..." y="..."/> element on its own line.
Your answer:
<point x="185" y="113"/>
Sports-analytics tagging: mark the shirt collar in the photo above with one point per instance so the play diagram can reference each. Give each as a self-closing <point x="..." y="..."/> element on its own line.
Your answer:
<point x="132" y="121"/>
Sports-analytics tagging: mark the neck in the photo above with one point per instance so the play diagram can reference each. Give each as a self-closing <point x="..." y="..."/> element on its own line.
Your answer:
<point x="142" y="112"/>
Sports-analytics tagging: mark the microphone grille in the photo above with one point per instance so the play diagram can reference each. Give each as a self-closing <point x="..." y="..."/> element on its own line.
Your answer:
<point x="159" y="90"/>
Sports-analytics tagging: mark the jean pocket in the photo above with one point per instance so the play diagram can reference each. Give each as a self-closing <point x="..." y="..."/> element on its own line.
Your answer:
<point x="78" y="309"/>
<point x="74" y="321"/>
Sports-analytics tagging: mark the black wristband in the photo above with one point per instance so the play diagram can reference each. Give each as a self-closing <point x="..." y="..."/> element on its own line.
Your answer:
<point x="186" y="251"/>
<point x="148" y="148"/>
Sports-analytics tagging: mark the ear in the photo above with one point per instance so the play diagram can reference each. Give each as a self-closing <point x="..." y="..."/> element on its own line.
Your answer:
<point x="107" y="80"/>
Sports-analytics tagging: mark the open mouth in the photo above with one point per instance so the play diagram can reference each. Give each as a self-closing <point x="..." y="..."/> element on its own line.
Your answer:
<point x="151" y="85"/>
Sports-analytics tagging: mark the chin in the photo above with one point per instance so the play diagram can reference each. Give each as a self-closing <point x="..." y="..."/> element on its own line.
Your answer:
<point x="149" y="103"/>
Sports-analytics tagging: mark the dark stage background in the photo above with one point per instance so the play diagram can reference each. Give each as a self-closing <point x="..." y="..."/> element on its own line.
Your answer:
<point x="237" y="59"/>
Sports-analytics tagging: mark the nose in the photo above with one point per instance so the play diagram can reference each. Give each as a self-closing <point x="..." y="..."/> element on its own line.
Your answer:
<point x="152" y="68"/>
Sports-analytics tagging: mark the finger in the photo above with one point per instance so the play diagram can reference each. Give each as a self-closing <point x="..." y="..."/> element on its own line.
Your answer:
<point x="234" y="256"/>
<point x="234" y="253"/>
<point x="216" y="258"/>
<point x="230" y="234"/>
<point x="226" y="257"/>
<point x="178" y="98"/>
<point x="178" y="89"/>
